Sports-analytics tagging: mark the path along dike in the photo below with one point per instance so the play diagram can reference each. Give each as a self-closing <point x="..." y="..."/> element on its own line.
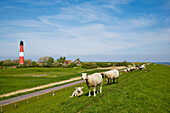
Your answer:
<point x="23" y="97"/>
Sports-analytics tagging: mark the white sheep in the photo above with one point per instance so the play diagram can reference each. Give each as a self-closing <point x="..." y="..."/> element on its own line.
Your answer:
<point x="128" y="69"/>
<point x="77" y="92"/>
<point x="111" y="75"/>
<point x="132" y="69"/>
<point x="142" y="67"/>
<point x="125" y="70"/>
<point x="93" y="81"/>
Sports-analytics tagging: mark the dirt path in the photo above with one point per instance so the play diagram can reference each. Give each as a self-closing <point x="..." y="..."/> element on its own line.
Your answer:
<point x="120" y="67"/>
<point x="39" y="87"/>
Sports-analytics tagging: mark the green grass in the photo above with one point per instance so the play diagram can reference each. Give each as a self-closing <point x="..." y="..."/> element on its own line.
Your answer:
<point x="138" y="91"/>
<point x="22" y="78"/>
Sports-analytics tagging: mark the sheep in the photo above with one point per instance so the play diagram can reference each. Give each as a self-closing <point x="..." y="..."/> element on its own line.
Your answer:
<point x="142" y="67"/>
<point x="77" y="92"/>
<point x="111" y="75"/>
<point x="125" y="70"/>
<point x="128" y="69"/>
<point x="132" y="69"/>
<point x="137" y="67"/>
<point x="93" y="81"/>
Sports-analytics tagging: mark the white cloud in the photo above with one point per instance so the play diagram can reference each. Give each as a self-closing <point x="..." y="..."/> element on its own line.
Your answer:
<point x="142" y="22"/>
<point x="22" y="23"/>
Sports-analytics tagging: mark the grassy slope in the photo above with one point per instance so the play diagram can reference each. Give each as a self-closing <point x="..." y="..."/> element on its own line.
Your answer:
<point x="136" y="92"/>
<point x="16" y="79"/>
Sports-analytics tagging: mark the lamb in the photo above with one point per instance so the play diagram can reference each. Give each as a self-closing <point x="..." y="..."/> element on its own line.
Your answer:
<point x="77" y="92"/>
<point x="111" y="75"/>
<point x="93" y="81"/>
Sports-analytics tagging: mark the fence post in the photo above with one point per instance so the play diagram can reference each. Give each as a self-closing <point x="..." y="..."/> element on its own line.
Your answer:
<point x="27" y="101"/>
<point x="53" y="93"/>
<point x="15" y="105"/>
<point x="37" y="97"/>
<point x="1" y="110"/>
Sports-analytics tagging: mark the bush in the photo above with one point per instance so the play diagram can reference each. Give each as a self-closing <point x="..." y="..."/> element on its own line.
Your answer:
<point x="34" y="64"/>
<point x="89" y="65"/>
<point x="21" y="66"/>
<point x="72" y="65"/>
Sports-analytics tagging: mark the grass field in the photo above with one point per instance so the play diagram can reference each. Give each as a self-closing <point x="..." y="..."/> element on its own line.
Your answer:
<point x="22" y="78"/>
<point x="138" y="91"/>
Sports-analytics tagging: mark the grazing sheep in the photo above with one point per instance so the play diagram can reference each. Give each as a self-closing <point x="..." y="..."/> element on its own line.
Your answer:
<point x="77" y="92"/>
<point x="132" y="69"/>
<point x="93" y="81"/>
<point x="142" y="67"/>
<point x="137" y="67"/>
<point x="128" y="69"/>
<point x="125" y="70"/>
<point x="111" y="75"/>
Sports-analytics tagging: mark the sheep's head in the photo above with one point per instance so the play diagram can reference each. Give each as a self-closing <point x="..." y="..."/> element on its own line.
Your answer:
<point x="79" y="88"/>
<point x="103" y="75"/>
<point x="84" y="76"/>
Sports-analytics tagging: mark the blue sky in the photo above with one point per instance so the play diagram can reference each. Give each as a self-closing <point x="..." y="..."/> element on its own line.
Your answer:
<point x="86" y="28"/>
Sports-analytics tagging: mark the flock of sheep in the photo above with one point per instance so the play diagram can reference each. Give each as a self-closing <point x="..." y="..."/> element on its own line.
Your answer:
<point x="96" y="79"/>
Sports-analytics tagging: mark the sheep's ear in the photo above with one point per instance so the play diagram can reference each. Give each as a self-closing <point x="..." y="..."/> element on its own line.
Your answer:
<point x="87" y="74"/>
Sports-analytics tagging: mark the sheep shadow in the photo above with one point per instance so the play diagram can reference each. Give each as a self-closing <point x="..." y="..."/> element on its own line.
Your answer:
<point x="110" y="84"/>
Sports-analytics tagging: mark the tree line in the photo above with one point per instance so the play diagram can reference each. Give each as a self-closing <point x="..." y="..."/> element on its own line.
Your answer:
<point x="46" y="61"/>
<point x="49" y="61"/>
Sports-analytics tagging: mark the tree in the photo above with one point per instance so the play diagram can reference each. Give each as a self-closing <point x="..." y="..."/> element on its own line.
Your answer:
<point x="1" y="63"/>
<point x="34" y="64"/>
<point x="61" y="59"/>
<point x="27" y="60"/>
<point x="43" y="59"/>
<point x="7" y="62"/>
<point x="50" y="61"/>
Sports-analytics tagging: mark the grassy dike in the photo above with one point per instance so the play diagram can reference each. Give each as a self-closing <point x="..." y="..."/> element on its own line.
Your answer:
<point x="23" y="78"/>
<point x="138" y="91"/>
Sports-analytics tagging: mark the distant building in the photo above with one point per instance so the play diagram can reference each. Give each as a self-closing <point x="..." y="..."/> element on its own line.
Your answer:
<point x="68" y="62"/>
<point x="78" y="62"/>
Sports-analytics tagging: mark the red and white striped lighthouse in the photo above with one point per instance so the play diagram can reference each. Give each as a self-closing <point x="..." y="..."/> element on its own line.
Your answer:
<point x="21" y="53"/>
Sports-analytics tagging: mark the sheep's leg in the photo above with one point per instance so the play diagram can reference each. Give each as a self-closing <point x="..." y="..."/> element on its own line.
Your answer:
<point x="89" y="92"/>
<point x="100" y="88"/>
<point x="113" y="80"/>
<point x="72" y="94"/>
<point x="117" y="80"/>
<point x="108" y="81"/>
<point x="97" y="89"/>
<point x="94" y="91"/>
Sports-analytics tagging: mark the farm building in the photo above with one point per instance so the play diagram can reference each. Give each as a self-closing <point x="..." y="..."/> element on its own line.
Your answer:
<point x="68" y="62"/>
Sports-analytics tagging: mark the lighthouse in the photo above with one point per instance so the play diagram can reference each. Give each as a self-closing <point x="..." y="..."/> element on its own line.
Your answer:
<point x="21" y="53"/>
